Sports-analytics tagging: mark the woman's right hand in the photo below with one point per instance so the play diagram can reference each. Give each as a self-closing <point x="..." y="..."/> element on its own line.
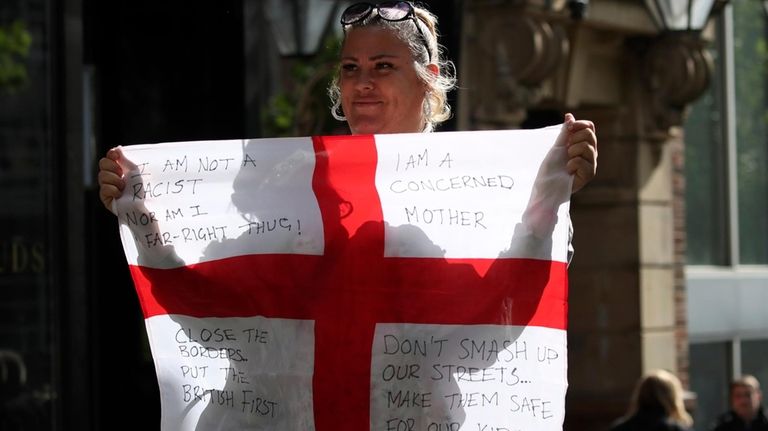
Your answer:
<point x="111" y="182"/>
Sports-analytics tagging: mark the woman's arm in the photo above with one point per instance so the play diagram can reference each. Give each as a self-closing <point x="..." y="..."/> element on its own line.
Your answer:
<point x="582" y="151"/>
<point x="111" y="183"/>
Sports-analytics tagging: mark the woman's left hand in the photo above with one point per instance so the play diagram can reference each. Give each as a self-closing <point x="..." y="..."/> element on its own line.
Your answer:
<point x="582" y="151"/>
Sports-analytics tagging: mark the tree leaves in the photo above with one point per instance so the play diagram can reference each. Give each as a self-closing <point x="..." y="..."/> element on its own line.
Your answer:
<point x="15" y="42"/>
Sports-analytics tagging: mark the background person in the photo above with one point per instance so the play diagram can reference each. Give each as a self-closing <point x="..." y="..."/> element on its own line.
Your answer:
<point x="391" y="79"/>
<point x="657" y="405"/>
<point x="746" y="410"/>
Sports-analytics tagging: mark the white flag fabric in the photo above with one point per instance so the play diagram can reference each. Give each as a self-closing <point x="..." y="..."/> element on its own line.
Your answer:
<point x="383" y="282"/>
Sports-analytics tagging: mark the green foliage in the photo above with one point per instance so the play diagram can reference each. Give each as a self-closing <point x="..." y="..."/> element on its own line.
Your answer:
<point x="304" y="109"/>
<point x="15" y="41"/>
<point x="281" y="113"/>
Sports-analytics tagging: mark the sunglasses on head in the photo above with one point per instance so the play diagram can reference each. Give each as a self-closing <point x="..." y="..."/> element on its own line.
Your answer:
<point x="392" y="11"/>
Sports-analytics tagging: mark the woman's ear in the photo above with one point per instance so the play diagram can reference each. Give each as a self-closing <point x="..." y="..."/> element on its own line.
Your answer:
<point x="434" y="70"/>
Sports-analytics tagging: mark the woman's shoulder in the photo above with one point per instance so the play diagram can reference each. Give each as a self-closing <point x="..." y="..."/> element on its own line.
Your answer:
<point x="675" y="426"/>
<point x="643" y="423"/>
<point x="631" y="423"/>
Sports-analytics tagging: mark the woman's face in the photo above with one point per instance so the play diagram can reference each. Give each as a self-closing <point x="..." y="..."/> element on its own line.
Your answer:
<point x="380" y="91"/>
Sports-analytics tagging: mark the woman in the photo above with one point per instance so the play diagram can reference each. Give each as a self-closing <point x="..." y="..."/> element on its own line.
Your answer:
<point x="657" y="405"/>
<point x="392" y="79"/>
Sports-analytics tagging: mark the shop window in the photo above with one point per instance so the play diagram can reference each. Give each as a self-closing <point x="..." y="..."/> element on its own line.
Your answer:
<point x="750" y="46"/>
<point x="710" y="372"/>
<point x="727" y="148"/>
<point x="27" y="353"/>
<point x="754" y="360"/>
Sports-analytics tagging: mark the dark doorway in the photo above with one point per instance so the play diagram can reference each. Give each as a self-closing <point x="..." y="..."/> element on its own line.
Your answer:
<point x="161" y="71"/>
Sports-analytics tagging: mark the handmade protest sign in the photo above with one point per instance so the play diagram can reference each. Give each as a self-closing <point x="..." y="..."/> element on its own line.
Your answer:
<point x="387" y="282"/>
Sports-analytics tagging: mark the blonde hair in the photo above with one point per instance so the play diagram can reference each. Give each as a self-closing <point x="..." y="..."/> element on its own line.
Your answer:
<point x="660" y="390"/>
<point x="435" y="108"/>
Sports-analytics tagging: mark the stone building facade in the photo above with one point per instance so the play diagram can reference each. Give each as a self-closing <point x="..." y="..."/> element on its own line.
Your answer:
<point x="523" y="61"/>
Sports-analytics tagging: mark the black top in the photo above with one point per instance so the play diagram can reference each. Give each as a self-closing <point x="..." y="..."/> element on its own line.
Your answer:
<point x="732" y="422"/>
<point x="648" y="421"/>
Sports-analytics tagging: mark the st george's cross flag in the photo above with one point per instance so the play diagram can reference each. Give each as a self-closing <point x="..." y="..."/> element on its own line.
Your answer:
<point x="389" y="282"/>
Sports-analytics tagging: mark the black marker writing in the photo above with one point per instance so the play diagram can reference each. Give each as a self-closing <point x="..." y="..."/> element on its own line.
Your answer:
<point x="208" y="396"/>
<point x="261" y="227"/>
<point x="209" y="164"/>
<point x="445" y="216"/>
<point x="452" y="183"/>
<point x="414" y="160"/>
<point x="153" y="190"/>
<point x="176" y="165"/>
<point x="208" y="233"/>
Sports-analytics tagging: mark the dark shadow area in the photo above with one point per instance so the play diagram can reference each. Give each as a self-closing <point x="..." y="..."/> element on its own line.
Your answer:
<point x="163" y="71"/>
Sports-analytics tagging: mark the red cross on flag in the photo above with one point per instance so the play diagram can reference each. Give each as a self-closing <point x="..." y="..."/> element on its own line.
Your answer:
<point x="390" y="282"/>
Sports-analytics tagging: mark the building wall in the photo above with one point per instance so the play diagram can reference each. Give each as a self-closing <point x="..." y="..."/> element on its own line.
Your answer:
<point x="627" y="296"/>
